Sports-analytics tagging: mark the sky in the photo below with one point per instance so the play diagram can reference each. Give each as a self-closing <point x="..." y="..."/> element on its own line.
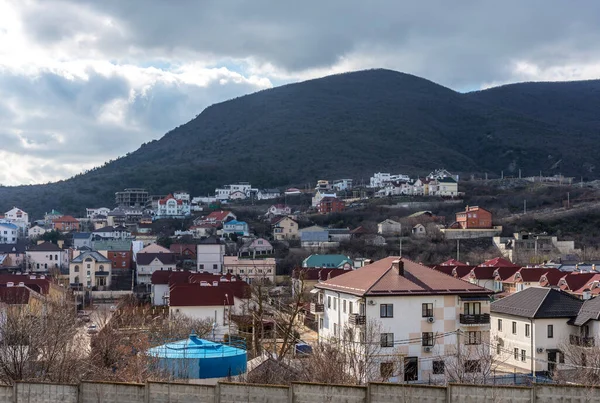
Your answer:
<point x="86" y="81"/>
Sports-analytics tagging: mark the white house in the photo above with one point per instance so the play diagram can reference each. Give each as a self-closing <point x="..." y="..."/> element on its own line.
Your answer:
<point x="92" y="213"/>
<point x="534" y="323"/>
<point x="278" y="210"/>
<point x="250" y="270"/>
<point x="380" y="179"/>
<point x="209" y="256"/>
<point x="9" y="232"/>
<point x="148" y="263"/>
<point x="236" y="227"/>
<point x="267" y="194"/>
<point x="224" y="193"/>
<point x="46" y="256"/>
<point x="35" y="232"/>
<point x="18" y="217"/>
<point x="110" y="232"/>
<point x="342" y="184"/>
<point x="389" y="227"/>
<point x="416" y="317"/>
<point x="419" y="230"/>
<point x="90" y="269"/>
<point x="173" y="207"/>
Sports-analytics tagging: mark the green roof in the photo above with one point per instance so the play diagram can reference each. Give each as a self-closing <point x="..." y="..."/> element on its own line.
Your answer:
<point x="326" y="261"/>
<point x="54" y="212"/>
<point x="118" y="245"/>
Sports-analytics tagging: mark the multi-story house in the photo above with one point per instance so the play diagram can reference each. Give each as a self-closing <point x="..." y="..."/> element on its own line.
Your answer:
<point x="18" y="217"/>
<point x="209" y="256"/>
<point x="35" y="232"/>
<point x="90" y="269"/>
<point x="14" y="255"/>
<point x="342" y="185"/>
<point x="389" y="227"/>
<point x="418" y="319"/>
<point x="119" y="252"/>
<point x="92" y="213"/>
<point x="47" y="256"/>
<point x="530" y="326"/>
<point x="236" y="227"/>
<point x="284" y="229"/>
<point x="474" y="217"/>
<point x="9" y="232"/>
<point x="148" y="263"/>
<point x="82" y="240"/>
<point x="242" y="188"/>
<point x="65" y="223"/>
<point x="110" y="232"/>
<point x="133" y="197"/>
<point x="267" y="194"/>
<point x="278" y="210"/>
<point x="173" y="207"/>
<point x="320" y="195"/>
<point x="258" y="247"/>
<point x="250" y="270"/>
<point x="51" y="216"/>
<point x="331" y="205"/>
<point x="381" y="179"/>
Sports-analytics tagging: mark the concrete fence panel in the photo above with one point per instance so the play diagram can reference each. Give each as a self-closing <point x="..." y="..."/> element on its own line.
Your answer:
<point x="7" y="394"/>
<point x="489" y="394"/>
<point x="45" y="393"/>
<point x="311" y="393"/>
<point x="234" y="393"/>
<point x="100" y="392"/>
<point x="563" y="393"/>
<point x="389" y="392"/>
<point x="159" y="392"/>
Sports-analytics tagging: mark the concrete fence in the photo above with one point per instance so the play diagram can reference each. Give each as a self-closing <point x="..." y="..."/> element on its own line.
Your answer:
<point x="156" y="392"/>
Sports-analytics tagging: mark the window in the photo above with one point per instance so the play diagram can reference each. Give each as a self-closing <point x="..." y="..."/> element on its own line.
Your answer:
<point x="387" y="339"/>
<point x="76" y="269"/>
<point x="472" y="366"/>
<point x="427" y="339"/>
<point x="439" y="367"/>
<point x="386" y="310"/>
<point x="499" y="325"/>
<point x="550" y="331"/>
<point x="335" y="304"/>
<point x="516" y="352"/>
<point x="427" y="310"/>
<point x="335" y="329"/>
<point x="472" y="308"/>
<point x="514" y="327"/>
<point x="201" y="267"/>
<point x="328" y="302"/>
<point x="344" y="306"/>
<point x="215" y="267"/>
<point x="523" y="355"/>
<point x="50" y="257"/>
<point x="386" y="370"/>
<point x="350" y="307"/>
<point x="473" y="338"/>
<point x="527" y="329"/>
<point x="321" y="323"/>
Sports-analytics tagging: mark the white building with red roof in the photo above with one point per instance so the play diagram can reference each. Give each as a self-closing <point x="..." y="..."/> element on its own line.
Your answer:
<point x="416" y="319"/>
<point x="173" y="207"/>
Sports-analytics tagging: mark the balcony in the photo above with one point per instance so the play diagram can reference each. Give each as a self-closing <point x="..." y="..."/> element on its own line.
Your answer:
<point x="357" y="320"/>
<point x="581" y="341"/>
<point x="479" y="319"/>
<point x="316" y="308"/>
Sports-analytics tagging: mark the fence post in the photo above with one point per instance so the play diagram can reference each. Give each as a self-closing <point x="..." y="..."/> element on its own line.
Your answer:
<point x="217" y="390"/>
<point x="448" y="393"/>
<point x="533" y="392"/>
<point x="15" y="392"/>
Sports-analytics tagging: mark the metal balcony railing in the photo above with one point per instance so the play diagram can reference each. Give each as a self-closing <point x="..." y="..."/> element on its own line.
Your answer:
<point x="479" y="319"/>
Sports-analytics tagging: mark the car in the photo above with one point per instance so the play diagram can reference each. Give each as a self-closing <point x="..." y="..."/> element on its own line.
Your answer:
<point x="84" y="318"/>
<point x="92" y="329"/>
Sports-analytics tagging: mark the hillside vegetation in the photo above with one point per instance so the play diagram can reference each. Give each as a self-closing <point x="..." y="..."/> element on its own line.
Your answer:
<point x="347" y="125"/>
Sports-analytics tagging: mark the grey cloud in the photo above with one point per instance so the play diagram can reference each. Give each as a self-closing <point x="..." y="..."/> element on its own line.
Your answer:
<point x="458" y="43"/>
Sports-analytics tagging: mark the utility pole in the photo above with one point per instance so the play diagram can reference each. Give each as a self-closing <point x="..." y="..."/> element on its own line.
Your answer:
<point x="400" y="239"/>
<point x="519" y="173"/>
<point x="524" y="206"/>
<point x="568" y="200"/>
<point x="502" y="175"/>
<point x="458" y="249"/>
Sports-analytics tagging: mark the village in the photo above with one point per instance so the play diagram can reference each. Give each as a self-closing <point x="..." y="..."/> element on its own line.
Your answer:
<point x="277" y="272"/>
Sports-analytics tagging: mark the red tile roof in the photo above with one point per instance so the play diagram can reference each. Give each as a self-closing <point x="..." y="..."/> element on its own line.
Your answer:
<point x="498" y="262"/>
<point x="453" y="262"/>
<point x="195" y="294"/>
<point x="578" y="282"/>
<point x="531" y="274"/>
<point x="218" y="215"/>
<point x="169" y="197"/>
<point x="483" y="273"/>
<point x="40" y="285"/>
<point x="317" y="273"/>
<point x="179" y="248"/>
<point x="65" y="218"/>
<point x="504" y="273"/>
<point x="551" y="278"/>
<point x="15" y="295"/>
<point x="380" y="278"/>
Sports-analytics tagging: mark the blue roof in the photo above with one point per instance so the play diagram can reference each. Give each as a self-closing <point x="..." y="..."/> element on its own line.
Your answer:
<point x="82" y="235"/>
<point x="193" y="347"/>
<point x="326" y="261"/>
<point x="316" y="236"/>
<point x="9" y="225"/>
<point x="235" y="222"/>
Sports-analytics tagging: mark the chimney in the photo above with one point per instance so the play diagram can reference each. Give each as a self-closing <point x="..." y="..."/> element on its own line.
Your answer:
<point x="60" y="243"/>
<point x="594" y="267"/>
<point x="41" y="241"/>
<point x="21" y="284"/>
<point x="398" y="266"/>
<point x="10" y="284"/>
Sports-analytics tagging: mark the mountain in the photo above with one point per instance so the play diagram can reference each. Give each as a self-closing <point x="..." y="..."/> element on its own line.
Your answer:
<point x="348" y="125"/>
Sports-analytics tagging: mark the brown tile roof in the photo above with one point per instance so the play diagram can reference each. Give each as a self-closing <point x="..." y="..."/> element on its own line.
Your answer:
<point x="65" y="218"/>
<point x="15" y="295"/>
<point x="578" y="282"/>
<point x="179" y="248"/>
<point x="531" y="274"/>
<point x="449" y="270"/>
<point x="194" y="294"/>
<point x="552" y="278"/>
<point x="380" y="278"/>
<point x="453" y="262"/>
<point x="504" y="273"/>
<point x="146" y="258"/>
<point x="317" y="273"/>
<point x="46" y="247"/>
<point x="218" y="215"/>
<point x="498" y="262"/>
<point x="483" y="273"/>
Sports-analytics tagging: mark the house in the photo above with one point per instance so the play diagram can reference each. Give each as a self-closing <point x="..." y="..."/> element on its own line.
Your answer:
<point x="267" y="194"/>
<point x="293" y="192"/>
<point x="92" y="213"/>
<point x="381" y="179"/>
<point x="389" y="227"/>
<point x="320" y="195"/>
<point x="526" y="277"/>
<point x="51" y="216"/>
<point x="447" y="186"/>
<point x="204" y="230"/>
<point x="17" y="216"/>
<point x="90" y="269"/>
<point x="419" y="230"/>
<point x="216" y="301"/>
<point x="216" y="217"/>
<point x="119" y="252"/>
<point x="342" y="185"/>
<point x="14" y="255"/>
<point x="328" y="261"/>
<point x="529" y="327"/>
<point x="46" y="256"/>
<point x="278" y="210"/>
<point x="110" y="232"/>
<point x="65" y="223"/>
<point x="318" y="239"/>
<point x="149" y="262"/>
<point x="474" y="217"/>
<point x="339" y="234"/>
<point x="236" y="227"/>
<point x="284" y="229"/>
<point x="173" y="207"/>
<point x="330" y="204"/>
<point x="209" y="256"/>
<point x="250" y="270"/>
<point x="400" y="300"/>
<point x="242" y="190"/>
<point x="35" y="232"/>
<point x="161" y="280"/>
<point x="532" y="247"/>
<point x="9" y="232"/>
<point x="184" y="251"/>
<point x="374" y="240"/>
<point x="82" y="240"/>
<point x="256" y="248"/>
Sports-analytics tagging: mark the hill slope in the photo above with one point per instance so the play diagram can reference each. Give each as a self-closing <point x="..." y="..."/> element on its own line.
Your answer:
<point x="346" y="125"/>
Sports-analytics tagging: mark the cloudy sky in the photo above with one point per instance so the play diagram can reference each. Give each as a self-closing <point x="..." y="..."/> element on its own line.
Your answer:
<point x="85" y="81"/>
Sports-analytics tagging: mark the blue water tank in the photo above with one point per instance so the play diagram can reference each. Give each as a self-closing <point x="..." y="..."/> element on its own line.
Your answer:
<point x="196" y="358"/>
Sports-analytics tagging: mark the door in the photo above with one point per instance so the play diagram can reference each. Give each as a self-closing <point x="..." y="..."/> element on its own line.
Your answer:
<point x="551" y="361"/>
<point x="411" y="369"/>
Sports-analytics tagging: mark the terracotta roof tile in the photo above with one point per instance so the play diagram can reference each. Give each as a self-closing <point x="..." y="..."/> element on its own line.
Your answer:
<point x="498" y="262"/>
